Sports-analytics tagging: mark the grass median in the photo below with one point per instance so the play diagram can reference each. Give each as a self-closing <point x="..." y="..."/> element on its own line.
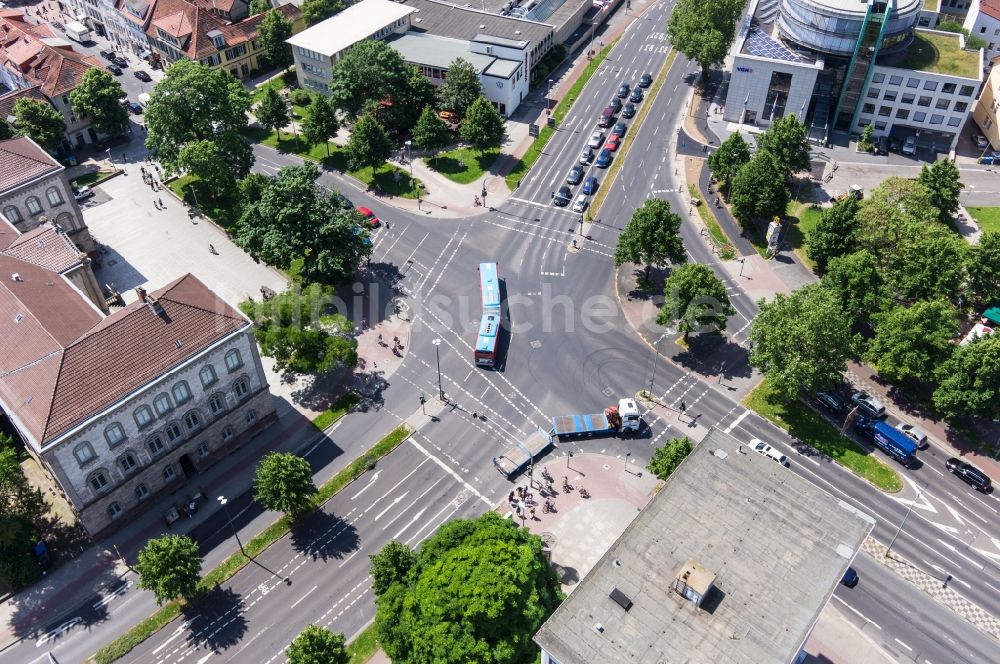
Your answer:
<point x="226" y="569"/>
<point x="525" y="163"/>
<point x="340" y="407"/>
<point x="644" y="110"/>
<point x="708" y="218"/>
<point x="804" y="423"/>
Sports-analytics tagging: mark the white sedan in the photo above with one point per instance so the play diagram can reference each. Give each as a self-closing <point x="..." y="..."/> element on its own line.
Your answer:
<point x="596" y="139"/>
<point x="761" y="447"/>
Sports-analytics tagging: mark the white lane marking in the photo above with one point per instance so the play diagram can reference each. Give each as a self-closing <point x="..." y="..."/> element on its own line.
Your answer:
<point x="394" y="487"/>
<point x="58" y="630"/>
<point x="177" y="632"/>
<point x="858" y="613"/>
<point x="958" y="553"/>
<point x="736" y="422"/>
<point x="345" y="561"/>
<point x="206" y="658"/>
<point x="299" y="600"/>
<point x="367" y="486"/>
<point x="388" y="507"/>
<point x="451" y="472"/>
<point x="903" y="644"/>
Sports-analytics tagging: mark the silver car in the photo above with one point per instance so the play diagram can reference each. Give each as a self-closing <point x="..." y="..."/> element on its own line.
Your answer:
<point x="914" y="433"/>
<point x="586" y="156"/>
<point x="596" y="139"/>
<point x="580" y="204"/>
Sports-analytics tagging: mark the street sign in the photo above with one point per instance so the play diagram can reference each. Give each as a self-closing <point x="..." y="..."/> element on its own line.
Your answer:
<point x="533" y="130"/>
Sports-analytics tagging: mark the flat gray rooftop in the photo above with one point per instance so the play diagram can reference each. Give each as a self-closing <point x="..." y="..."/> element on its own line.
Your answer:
<point x="440" y="52"/>
<point x="448" y="20"/>
<point x="777" y="545"/>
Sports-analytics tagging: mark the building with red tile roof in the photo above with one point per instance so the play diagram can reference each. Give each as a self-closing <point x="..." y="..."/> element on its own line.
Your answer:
<point x="983" y="21"/>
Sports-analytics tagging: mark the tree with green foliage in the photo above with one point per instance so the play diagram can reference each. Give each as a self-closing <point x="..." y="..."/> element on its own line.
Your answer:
<point x="97" y="97"/>
<point x="726" y="161"/>
<point x="195" y="102"/>
<point x="371" y="70"/>
<point x="483" y="127"/>
<point x="430" y="132"/>
<point x="284" y="483"/>
<point x="888" y="214"/>
<point x="317" y="645"/>
<point x="984" y="267"/>
<point x="390" y="565"/>
<point x="704" y="31"/>
<point x="6" y="131"/>
<point x="416" y="93"/>
<point x="40" y="122"/>
<point x="944" y="184"/>
<point x="21" y="508"/>
<point x="788" y="140"/>
<point x="668" y="456"/>
<point x="695" y="301"/>
<point x="317" y="11"/>
<point x="970" y="380"/>
<point x="321" y="123"/>
<point x="205" y="160"/>
<point x="301" y="332"/>
<point x="758" y="190"/>
<point x="369" y="145"/>
<point x="801" y="341"/>
<point x="930" y="264"/>
<point x="272" y="111"/>
<point x="259" y="6"/>
<point x="170" y="567"/>
<point x="252" y="187"/>
<point x="866" y="141"/>
<point x="293" y="218"/>
<point x="651" y="237"/>
<point x="836" y="232"/>
<point x="913" y="342"/>
<point x="460" y="89"/>
<point x="477" y="592"/>
<point x="857" y="282"/>
<point x="272" y="33"/>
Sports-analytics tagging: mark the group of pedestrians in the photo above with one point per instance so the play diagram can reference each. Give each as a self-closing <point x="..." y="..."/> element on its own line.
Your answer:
<point x="523" y="502"/>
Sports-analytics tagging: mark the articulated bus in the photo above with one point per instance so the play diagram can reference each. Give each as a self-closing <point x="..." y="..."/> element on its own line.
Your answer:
<point x="489" y="325"/>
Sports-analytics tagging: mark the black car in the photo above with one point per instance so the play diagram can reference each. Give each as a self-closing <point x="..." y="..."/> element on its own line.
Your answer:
<point x="850" y="578"/>
<point x="619" y="129"/>
<point x="108" y="55"/>
<point x="114" y="69"/>
<point x="135" y="108"/>
<point x="970" y="474"/>
<point x="623" y="90"/>
<point x="646" y="80"/>
<point x="119" y="60"/>
<point x="142" y="76"/>
<point x="615" y="104"/>
<point x="343" y="201"/>
<point x="881" y="146"/>
<point x="628" y="110"/>
<point x="831" y="402"/>
<point x="564" y="196"/>
<point x="636" y="96"/>
<point x="575" y="175"/>
<point x="894" y="144"/>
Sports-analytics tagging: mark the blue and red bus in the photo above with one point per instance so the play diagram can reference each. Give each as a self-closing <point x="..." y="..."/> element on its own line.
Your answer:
<point x="489" y="325"/>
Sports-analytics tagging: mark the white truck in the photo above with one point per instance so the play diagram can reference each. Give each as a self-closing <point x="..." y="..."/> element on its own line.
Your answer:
<point x="78" y="32"/>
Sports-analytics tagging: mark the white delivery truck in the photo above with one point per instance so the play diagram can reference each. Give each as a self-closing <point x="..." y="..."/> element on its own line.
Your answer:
<point x="78" y="32"/>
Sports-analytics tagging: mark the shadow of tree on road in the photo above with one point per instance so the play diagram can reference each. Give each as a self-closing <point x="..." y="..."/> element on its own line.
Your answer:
<point x="219" y="620"/>
<point x="323" y="536"/>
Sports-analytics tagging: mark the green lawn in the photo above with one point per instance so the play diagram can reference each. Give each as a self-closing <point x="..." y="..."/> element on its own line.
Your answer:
<point x="988" y="218"/>
<point x="814" y="430"/>
<point x="225" y="212"/>
<point x="712" y="224"/>
<point x="801" y="220"/>
<point x="364" y="645"/>
<point x="940" y="53"/>
<point x="463" y="165"/>
<point x="340" y="408"/>
<point x="286" y="80"/>
<point x="95" y="177"/>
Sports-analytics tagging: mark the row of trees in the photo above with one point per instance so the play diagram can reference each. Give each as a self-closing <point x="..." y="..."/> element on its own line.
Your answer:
<point x="21" y="510"/>
<point x="896" y="284"/>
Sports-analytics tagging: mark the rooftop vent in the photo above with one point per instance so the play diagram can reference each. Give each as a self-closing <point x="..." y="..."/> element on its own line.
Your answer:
<point x="417" y="19"/>
<point x="177" y="343"/>
<point x="517" y="32"/>
<point x="693" y="582"/>
<point x="482" y="26"/>
<point x="16" y="277"/>
<point x="599" y="628"/>
<point x="141" y="292"/>
<point x="621" y="599"/>
<point x="18" y="318"/>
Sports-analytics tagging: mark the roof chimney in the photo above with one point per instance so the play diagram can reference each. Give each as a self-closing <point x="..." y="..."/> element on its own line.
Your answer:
<point x="141" y="292"/>
<point x="16" y="277"/>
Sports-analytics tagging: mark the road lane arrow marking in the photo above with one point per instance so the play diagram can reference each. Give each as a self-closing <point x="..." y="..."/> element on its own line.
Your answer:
<point x="367" y="486"/>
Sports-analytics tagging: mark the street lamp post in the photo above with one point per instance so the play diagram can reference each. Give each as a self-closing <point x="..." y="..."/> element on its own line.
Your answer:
<point x="654" y="357"/>
<point x="903" y="522"/>
<point x="437" y="351"/>
<point x="291" y="121"/>
<point x="409" y="159"/>
<point x="742" y="263"/>
<point x="548" y="97"/>
<point x="193" y="195"/>
<point x="229" y="518"/>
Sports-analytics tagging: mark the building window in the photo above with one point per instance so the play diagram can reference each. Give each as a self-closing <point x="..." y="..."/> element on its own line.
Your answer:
<point x="181" y="392"/>
<point x="931" y="86"/>
<point x="168" y="473"/>
<point x="913" y="82"/>
<point x="937" y="118"/>
<point x="878" y="78"/>
<point x="217" y="403"/>
<point x="227" y="433"/>
<point x="251" y="416"/>
<point x="919" y="116"/>
<point x="12" y="213"/>
<point x="173" y="432"/>
<point x="114" y="434"/>
<point x="54" y="197"/>
<point x="908" y="98"/>
<point x="873" y="93"/>
<point x="942" y="104"/>
<point x="879" y="126"/>
<point x="924" y="101"/>
<point x="233" y="360"/>
<point x="982" y="30"/>
<point x="948" y="88"/>
<point x="162" y="404"/>
<point x="203" y="450"/>
<point x="84" y="453"/>
<point x="960" y="107"/>
<point x="902" y="113"/>
<point x="208" y="376"/>
<point x="114" y="510"/>
<point x="141" y="492"/>
<point x="127" y="462"/>
<point x="890" y="95"/>
<point x="98" y="481"/>
<point x="155" y="445"/>
<point x="966" y="91"/>
<point x="143" y="416"/>
<point x="868" y="108"/>
<point x="34" y="205"/>
<point x="241" y="388"/>
<point x="954" y="122"/>
<point x="885" y="111"/>
<point x="895" y="80"/>
<point x="192" y="421"/>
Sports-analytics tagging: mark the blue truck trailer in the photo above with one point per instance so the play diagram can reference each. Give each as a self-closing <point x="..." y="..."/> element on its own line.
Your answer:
<point x="623" y="417"/>
<point x="890" y="440"/>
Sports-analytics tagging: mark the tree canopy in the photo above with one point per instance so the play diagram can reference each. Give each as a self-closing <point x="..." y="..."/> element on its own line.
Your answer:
<point x="320" y="124"/>
<point x="21" y="508"/>
<point x="170" y="567"/>
<point x="259" y="6"/>
<point x="317" y="645"/>
<point x="317" y="11"/>
<point x="272" y="111"/>
<point x="205" y="159"/>
<point x="390" y="565"/>
<point x="40" y="122"/>
<point x="430" y="132"/>
<point x="856" y="281"/>
<point x="944" y="184"/>
<point x="930" y="263"/>
<point x="668" y="456"/>
<point x="372" y="75"/>
<point x="836" y="232"/>
<point x="787" y="140"/>
<point x="695" y="300"/>
<point x="461" y="89"/>
<point x="726" y="161"/>
<point x="651" y="237"/>
<point x="301" y="332"/>
<point x="984" y="267"/>
<point x="758" y="190"/>
<point x="284" y="483"/>
<point x="912" y="342"/>
<point x="272" y="32"/>
<point x="195" y="102"/>
<point x="98" y="97"/>
<point x="970" y="380"/>
<point x="477" y="592"/>
<point x="801" y="341"/>
<point x="369" y="145"/>
<point x="483" y="127"/>
<point x="704" y="31"/>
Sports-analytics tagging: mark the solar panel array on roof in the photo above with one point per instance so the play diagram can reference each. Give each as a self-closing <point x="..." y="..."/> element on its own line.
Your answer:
<point x="762" y="45"/>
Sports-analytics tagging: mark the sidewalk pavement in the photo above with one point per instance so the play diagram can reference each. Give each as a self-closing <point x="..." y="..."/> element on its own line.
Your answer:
<point x="835" y="640"/>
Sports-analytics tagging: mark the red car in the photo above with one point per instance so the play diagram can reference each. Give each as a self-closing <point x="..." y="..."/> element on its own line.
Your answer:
<point x="613" y="142"/>
<point x="371" y="221"/>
